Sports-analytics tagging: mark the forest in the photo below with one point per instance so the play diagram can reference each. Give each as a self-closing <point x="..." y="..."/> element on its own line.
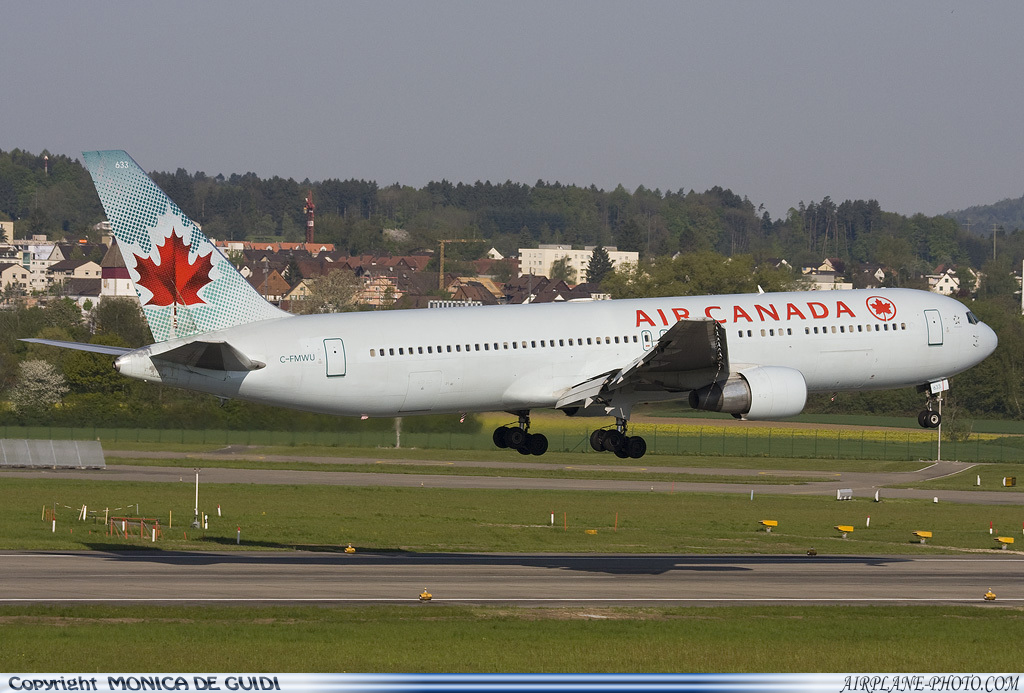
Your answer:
<point x="679" y="235"/>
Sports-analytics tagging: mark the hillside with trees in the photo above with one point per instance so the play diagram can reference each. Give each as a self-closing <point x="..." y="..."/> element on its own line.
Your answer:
<point x="689" y="242"/>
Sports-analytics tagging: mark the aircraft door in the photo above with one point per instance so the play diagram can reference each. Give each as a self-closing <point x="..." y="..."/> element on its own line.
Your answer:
<point x="335" y="352"/>
<point x="934" y="322"/>
<point x="648" y="339"/>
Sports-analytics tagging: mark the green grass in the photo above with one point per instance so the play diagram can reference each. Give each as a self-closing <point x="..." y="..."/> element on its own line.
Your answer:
<point x="991" y="479"/>
<point x="701" y="438"/>
<point x="456" y="520"/>
<point x="434" y="637"/>
<point x="448" y="469"/>
<point x="335" y="455"/>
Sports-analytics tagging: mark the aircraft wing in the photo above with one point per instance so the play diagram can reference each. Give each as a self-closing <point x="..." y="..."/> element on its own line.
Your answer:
<point x="82" y="346"/>
<point x="691" y="354"/>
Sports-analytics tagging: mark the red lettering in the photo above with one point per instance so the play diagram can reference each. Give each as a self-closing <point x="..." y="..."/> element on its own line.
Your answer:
<point x="770" y="311"/>
<point x="792" y="310"/>
<point x="707" y="312"/>
<point x="643" y="317"/>
<point x="738" y="313"/>
<point x="681" y="313"/>
<point x="843" y="308"/>
<point x="824" y="309"/>
<point x="664" y="320"/>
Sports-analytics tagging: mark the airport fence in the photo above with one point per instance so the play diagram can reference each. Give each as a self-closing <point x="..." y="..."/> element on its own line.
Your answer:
<point x="690" y="440"/>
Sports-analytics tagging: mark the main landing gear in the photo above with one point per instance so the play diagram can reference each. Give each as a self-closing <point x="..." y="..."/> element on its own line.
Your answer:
<point x="519" y="438"/>
<point x="615" y="440"/>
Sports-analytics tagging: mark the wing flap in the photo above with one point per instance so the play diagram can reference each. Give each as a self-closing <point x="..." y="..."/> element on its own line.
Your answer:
<point x="691" y="354"/>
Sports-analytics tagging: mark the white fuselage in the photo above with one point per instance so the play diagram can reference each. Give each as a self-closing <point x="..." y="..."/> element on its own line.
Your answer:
<point x="517" y="357"/>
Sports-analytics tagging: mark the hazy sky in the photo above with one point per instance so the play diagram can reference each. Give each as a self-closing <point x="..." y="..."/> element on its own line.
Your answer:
<point x="916" y="104"/>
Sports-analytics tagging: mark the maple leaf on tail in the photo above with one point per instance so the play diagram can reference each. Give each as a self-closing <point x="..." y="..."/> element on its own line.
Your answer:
<point x="175" y="280"/>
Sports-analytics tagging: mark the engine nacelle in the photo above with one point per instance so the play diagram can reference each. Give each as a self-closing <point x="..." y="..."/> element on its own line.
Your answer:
<point x="761" y="392"/>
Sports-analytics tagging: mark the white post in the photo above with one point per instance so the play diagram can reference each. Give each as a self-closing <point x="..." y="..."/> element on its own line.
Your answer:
<point x="398" y="432"/>
<point x="238" y="537"/>
<point x="196" y="520"/>
<point x="938" y="453"/>
<point x="54" y="528"/>
<point x="154" y="535"/>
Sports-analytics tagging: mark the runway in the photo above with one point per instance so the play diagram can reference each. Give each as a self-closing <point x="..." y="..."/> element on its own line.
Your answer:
<point x="504" y="579"/>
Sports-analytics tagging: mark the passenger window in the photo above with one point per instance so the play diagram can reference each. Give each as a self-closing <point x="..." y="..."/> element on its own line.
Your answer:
<point x="401" y="351"/>
<point x="561" y="342"/>
<point x="391" y="352"/>
<point x="430" y="350"/>
<point x="762" y="332"/>
<point x="590" y="340"/>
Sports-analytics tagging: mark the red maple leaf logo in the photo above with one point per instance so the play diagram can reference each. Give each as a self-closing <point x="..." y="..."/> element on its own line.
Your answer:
<point x="881" y="308"/>
<point x="175" y="280"/>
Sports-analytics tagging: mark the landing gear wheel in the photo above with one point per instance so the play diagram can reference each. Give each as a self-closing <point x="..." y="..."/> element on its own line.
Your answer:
<point x="636" y="446"/>
<point x="921" y="418"/>
<point x="597" y="440"/>
<point x="515" y="437"/>
<point x="621" y="453"/>
<point x="537" y="444"/>
<point x="932" y="419"/>
<point x="500" y="437"/>
<point x="613" y="441"/>
<point x="523" y="449"/>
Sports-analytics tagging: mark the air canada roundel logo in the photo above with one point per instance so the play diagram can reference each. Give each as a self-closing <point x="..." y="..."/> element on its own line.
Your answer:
<point x="882" y="308"/>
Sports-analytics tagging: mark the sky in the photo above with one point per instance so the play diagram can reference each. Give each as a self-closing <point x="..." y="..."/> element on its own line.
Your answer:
<point x="916" y="104"/>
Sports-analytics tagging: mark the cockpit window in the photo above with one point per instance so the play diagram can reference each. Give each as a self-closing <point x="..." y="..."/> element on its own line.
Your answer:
<point x="972" y="318"/>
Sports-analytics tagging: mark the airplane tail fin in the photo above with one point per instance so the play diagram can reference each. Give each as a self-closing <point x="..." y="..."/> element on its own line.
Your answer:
<point x="185" y="284"/>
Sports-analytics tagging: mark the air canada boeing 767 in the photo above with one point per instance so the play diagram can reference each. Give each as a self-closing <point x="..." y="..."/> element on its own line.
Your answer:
<point x="755" y="356"/>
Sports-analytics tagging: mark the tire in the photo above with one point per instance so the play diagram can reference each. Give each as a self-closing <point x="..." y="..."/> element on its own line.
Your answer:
<point x="613" y="440"/>
<point x="537" y="444"/>
<point x="622" y="454"/>
<point x="597" y="440"/>
<point x="515" y="437"/>
<point x="933" y="419"/>
<point x="921" y="418"/>
<point x="523" y="450"/>
<point x="636" y="446"/>
<point x="500" y="437"/>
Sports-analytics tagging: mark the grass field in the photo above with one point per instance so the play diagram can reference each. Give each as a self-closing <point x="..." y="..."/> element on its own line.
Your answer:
<point x="441" y="638"/>
<point x="445" y="520"/>
<point x="702" y="437"/>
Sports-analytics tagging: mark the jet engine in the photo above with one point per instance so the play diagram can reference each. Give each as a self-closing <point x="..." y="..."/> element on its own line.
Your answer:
<point x="761" y="392"/>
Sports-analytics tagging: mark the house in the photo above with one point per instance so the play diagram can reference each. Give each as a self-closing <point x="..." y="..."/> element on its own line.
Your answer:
<point x="81" y="290"/>
<point x="14" y="274"/>
<point x="114" y="273"/>
<point x="270" y="284"/>
<point x="538" y="261"/>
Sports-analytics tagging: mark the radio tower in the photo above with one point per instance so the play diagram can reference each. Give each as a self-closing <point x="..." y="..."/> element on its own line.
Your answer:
<point x="308" y="209"/>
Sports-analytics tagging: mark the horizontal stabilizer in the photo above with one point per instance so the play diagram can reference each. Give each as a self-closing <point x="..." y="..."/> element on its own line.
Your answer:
<point x="82" y="346"/>
<point x="214" y="356"/>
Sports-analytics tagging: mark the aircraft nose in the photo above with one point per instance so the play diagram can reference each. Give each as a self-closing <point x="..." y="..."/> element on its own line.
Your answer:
<point x="987" y="339"/>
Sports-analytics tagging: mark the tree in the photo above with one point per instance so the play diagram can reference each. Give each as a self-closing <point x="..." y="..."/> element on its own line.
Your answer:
<point x="38" y="388"/>
<point x="561" y="269"/>
<point x="600" y="265"/>
<point x="122" y="317"/>
<point x="333" y="292"/>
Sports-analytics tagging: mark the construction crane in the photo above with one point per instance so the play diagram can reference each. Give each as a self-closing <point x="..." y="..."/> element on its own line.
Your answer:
<point x="440" y="270"/>
<point x="308" y="211"/>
